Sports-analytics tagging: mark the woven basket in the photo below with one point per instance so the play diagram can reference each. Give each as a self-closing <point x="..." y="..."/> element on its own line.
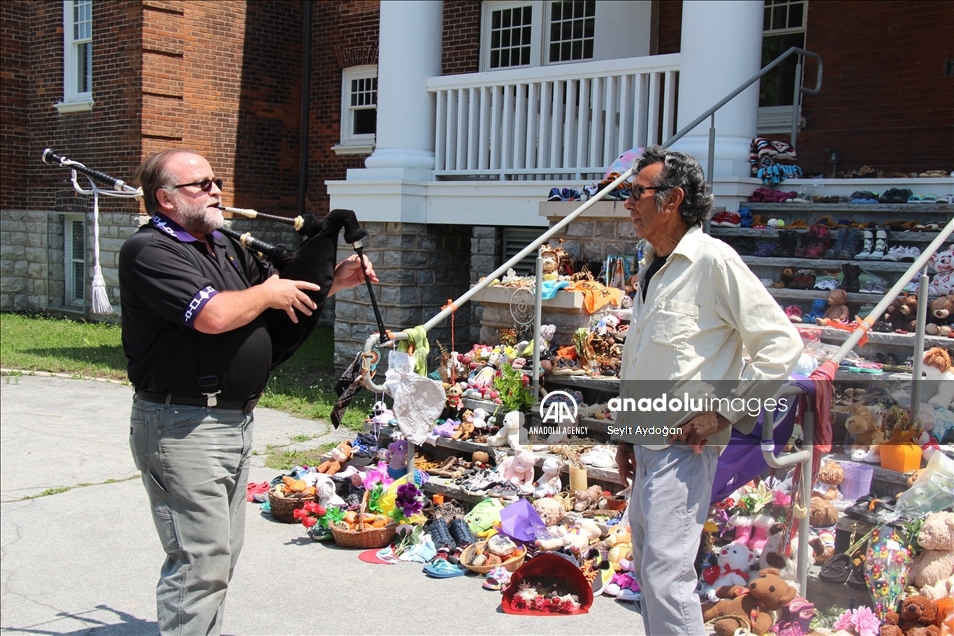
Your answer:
<point x="283" y="508"/>
<point x="362" y="537"/>
<point x="470" y="551"/>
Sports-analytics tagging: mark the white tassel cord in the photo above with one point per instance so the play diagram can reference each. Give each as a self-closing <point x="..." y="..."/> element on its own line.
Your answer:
<point x="100" y="297"/>
<point x="101" y="304"/>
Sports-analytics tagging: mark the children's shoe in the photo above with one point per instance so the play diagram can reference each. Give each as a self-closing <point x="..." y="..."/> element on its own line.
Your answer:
<point x="794" y="313"/>
<point x="880" y="246"/>
<point x="910" y="254"/>
<point x="555" y="195"/>
<point x="894" y="254"/>
<point x="867" y="248"/>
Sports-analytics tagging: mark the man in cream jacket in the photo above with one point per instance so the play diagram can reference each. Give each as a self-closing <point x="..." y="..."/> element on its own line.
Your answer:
<point x="685" y="379"/>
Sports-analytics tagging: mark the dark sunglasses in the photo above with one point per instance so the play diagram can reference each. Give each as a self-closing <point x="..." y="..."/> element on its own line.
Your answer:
<point x="205" y="185"/>
<point x="638" y="190"/>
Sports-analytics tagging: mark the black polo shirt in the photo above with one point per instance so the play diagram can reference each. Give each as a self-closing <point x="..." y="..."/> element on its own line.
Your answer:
<point x="166" y="277"/>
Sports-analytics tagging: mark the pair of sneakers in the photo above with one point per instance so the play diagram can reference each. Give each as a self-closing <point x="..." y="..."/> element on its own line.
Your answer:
<point x="902" y="253"/>
<point x="566" y="194"/>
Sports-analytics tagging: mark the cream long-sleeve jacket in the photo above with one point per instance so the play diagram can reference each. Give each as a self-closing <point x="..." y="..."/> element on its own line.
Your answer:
<point x="703" y="308"/>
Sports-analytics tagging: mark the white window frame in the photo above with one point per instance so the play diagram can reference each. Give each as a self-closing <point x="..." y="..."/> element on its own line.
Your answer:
<point x="71" y="258"/>
<point x="353" y="144"/>
<point x="539" y="34"/>
<point x="774" y="120"/>
<point x="73" y="99"/>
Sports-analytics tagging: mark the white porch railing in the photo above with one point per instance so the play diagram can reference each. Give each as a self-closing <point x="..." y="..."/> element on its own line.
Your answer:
<point x="555" y="122"/>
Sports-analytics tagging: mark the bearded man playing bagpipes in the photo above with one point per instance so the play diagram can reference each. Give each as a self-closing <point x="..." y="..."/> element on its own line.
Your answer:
<point x="203" y="323"/>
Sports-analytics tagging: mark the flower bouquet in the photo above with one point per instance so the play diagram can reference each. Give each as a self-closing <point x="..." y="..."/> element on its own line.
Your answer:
<point x="547" y="585"/>
<point x="860" y="621"/>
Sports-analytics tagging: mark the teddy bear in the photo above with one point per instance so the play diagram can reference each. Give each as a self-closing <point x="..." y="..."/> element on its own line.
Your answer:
<point x="864" y="427"/>
<point x="818" y="311"/>
<point x="518" y="470"/>
<point x="577" y="537"/>
<point x="942" y="283"/>
<point x="619" y="540"/>
<point x="550" y="510"/>
<point x="909" y="314"/>
<point x="589" y="499"/>
<point x="837" y="308"/>
<point x="916" y="618"/>
<point x="340" y="455"/>
<point x="822" y="513"/>
<point x="830" y="476"/>
<point x="940" y="316"/>
<point x="936" y="562"/>
<point x="509" y="433"/>
<point x="750" y="609"/>
<point x="466" y="428"/>
<point x="549" y="483"/>
<point x="937" y="368"/>
<point x="733" y="562"/>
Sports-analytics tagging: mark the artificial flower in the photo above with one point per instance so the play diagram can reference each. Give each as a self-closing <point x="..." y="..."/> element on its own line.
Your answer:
<point x="409" y="499"/>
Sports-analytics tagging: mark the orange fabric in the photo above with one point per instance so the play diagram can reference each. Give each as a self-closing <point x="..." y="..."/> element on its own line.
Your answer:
<point x="596" y="295"/>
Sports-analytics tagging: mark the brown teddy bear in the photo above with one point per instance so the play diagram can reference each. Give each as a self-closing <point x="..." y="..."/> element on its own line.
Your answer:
<point x="940" y="316"/>
<point x="837" y="308"/>
<point x="916" y="618"/>
<point x="863" y="426"/>
<point x="822" y="513"/>
<point x="908" y="310"/>
<point x="340" y="455"/>
<point x="749" y="608"/>
<point x="830" y="476"/>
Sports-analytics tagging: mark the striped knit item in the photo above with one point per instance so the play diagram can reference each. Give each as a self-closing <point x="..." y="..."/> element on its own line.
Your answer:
<point x="822" y="377"/>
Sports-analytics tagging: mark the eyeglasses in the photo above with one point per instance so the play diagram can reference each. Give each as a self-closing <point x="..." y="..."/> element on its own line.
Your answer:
<point x="205" y="185"/>
<point x="638" y="190"/>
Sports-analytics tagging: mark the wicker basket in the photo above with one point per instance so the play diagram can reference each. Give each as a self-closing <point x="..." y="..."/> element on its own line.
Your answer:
<point x="362" y="537"/>
<point x="283" y="508"/>
<point x="470" y="551"/>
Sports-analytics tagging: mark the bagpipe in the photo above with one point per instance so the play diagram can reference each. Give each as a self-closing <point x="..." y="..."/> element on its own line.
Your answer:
<point x="314" y="261"/>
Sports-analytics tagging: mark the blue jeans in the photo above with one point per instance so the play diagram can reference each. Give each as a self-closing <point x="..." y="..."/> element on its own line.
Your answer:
<point x="195" y="466"/>
<point x="668" y="507"/>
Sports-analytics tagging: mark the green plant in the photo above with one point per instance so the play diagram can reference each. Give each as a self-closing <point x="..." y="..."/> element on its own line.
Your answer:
<point x="511" y="385"/>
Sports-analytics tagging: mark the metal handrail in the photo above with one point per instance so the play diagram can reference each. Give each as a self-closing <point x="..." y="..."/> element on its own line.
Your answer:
<point x="374" y="338"/>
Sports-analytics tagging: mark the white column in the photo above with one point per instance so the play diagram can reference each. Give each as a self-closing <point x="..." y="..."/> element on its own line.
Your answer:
<point x="409" y="51"/>
<point x="721" y="49"/>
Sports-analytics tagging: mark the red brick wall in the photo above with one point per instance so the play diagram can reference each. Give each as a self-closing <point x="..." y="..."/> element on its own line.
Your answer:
<point x="669" y="31"/>
<point x="105" y="138"/>
<point x="223" y="78"/>
<point x="885" y="100"/>
<point x="345" y="33"/>
<point x="15" y="29"/>
<point x="461" y="37"/>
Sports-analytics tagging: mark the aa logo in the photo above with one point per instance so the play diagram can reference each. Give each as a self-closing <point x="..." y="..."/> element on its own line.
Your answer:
<point x="559" y="407"/>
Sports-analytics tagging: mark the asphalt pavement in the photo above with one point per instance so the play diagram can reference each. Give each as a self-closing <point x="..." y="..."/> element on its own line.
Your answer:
<point x="83" y="558"/>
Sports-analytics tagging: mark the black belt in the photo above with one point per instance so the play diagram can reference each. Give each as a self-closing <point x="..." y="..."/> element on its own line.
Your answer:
<point x="220" y="403"/>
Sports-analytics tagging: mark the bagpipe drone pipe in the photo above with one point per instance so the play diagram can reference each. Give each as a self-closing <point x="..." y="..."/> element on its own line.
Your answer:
<point x="314" y="261"/>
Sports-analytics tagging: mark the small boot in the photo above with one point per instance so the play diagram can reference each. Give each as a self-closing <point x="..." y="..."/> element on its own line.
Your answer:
<point x="851" y="282"/>
<point x="743" y="530"/>
<point x="809" y="241"/>
<point x="867" y="247"/>
<point x="832" y="252"/>
<point x="851" y="246"/>
<point x="880" y="246"/>
<point x="760" y="533"/>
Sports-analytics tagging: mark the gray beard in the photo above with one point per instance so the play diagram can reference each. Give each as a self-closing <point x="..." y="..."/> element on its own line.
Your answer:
<point x="199" y="219"/>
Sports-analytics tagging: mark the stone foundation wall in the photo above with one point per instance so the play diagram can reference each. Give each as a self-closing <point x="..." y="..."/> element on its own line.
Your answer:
<point x="419" y="268"/>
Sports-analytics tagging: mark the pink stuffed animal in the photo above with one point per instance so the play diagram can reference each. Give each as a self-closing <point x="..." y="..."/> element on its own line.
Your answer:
<point x="518" y="470"/>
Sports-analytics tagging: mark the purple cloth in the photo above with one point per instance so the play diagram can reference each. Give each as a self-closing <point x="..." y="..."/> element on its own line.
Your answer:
<point x="742" y="459"/>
